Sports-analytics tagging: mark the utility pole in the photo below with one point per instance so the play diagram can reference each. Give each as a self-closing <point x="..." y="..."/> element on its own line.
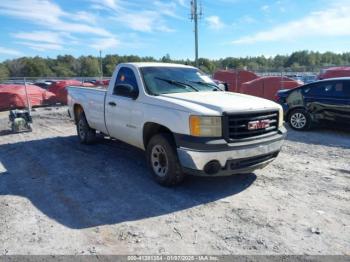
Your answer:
<point x="195" y="15"/>
<point x="101" y="66"/>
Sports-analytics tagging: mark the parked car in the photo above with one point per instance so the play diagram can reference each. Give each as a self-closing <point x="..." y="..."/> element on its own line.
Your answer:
<point x="45" y="84"/>
<point x="307" y="79"/>
<point x="183" y="121"/>
<point x="326" y="100"/>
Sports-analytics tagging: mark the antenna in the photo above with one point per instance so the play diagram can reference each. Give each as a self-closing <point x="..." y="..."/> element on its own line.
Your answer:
<point x="195" y="16"/>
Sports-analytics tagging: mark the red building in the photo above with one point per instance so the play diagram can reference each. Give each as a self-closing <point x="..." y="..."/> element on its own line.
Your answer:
<point x="234" y="78"/>
<point x="267" y="87"/>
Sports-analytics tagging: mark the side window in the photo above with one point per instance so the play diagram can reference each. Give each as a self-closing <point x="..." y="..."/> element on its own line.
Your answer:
<point x="323" y="89"/>
<point x="338" y="90"/>
<point x="314" y="90"/>
<point x="347" y="88"/>
<point x="125" y="76"/>
<point x="306" y="90"/>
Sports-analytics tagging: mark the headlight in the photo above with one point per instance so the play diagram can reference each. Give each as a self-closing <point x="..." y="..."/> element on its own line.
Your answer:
<point x="281" y="117"/>
<point x="205" y="126"/>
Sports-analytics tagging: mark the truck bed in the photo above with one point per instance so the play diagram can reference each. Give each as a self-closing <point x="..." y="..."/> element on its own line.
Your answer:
<point x="92" y="99"/>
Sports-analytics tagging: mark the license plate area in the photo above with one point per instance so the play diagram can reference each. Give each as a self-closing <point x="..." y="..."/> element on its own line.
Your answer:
<point x="247" y="162"/>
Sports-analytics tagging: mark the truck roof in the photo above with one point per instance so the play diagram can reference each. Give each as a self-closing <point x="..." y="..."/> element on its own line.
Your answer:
<point x="155" y="64"/>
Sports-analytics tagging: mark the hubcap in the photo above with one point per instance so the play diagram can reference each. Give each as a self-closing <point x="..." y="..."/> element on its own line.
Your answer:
<point x="298" y="120"/>
<point x="159" y="161"/>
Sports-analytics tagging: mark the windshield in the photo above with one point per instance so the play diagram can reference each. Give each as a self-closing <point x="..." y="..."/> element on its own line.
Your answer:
<point x="168" y="80"/>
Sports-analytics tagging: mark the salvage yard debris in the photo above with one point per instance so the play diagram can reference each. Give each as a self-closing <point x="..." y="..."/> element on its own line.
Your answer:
<point x="14" y="96"/>
<point x="40" y="93"/>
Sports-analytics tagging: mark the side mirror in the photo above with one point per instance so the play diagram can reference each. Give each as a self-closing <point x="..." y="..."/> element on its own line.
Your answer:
<point x="126" y="90"/>
<point x="223" y="87"/>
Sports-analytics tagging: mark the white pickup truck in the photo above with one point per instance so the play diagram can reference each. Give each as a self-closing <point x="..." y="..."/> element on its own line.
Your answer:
<point x="182" y="119"/>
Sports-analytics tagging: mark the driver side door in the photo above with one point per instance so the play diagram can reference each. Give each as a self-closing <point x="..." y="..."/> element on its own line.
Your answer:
<point x="119" y="107"/>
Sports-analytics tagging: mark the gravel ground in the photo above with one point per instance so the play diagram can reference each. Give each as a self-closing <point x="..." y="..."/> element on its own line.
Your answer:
<point x="60" y="197"/>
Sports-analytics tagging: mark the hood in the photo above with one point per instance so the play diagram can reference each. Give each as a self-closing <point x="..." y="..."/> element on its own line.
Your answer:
<point x="218" y="102"/>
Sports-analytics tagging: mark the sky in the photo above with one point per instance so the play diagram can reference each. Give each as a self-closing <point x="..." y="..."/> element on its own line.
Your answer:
<point x="236" y="28"/>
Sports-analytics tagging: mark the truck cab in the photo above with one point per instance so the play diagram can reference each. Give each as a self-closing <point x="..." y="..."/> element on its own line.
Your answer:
<point x="185" y="123"/>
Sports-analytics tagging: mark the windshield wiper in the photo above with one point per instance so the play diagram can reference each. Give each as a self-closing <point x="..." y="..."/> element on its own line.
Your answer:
<point x="178" y="83"/>
<point x="216" y="88"/>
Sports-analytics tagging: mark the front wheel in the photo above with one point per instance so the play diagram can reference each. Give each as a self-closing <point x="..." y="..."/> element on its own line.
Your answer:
<point x="299" y="119"/>
<point x="163" y="161"/>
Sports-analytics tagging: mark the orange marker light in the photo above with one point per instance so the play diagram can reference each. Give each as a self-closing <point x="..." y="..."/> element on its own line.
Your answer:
<point x="195" y="125"/>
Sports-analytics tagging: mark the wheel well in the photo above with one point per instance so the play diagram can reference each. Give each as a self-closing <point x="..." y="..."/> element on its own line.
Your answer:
<point x="152" y="129"/>
<point x="78" y="109"/>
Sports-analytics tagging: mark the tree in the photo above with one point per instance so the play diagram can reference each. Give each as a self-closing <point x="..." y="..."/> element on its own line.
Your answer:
<point x="69" y="66"/>
<point x="109" y="64"/>
<point x="15" y="67"/>
<point x="206" y="65"/>
<point x="66" y="66"/>
<point x="62" y="70"/>
<point x="166" y="59"/>
<point x="89" y="66"/>
<point x="36" y="67"/>
<point x="4" y="72"/>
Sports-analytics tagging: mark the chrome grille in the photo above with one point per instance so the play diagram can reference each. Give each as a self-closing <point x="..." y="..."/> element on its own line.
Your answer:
<point x="237" y="125"/>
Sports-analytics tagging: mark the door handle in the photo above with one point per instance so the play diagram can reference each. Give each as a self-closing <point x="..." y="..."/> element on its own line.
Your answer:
<point x="112" y="104"/>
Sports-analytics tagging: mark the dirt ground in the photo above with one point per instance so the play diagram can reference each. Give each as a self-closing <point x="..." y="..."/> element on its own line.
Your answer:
<point x="60" y="197"/>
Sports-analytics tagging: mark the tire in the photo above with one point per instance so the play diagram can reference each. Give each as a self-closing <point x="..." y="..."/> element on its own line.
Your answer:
<point x="86" y="134"/>
<point x="163" y="161"/>
<point x="299" y="120"/>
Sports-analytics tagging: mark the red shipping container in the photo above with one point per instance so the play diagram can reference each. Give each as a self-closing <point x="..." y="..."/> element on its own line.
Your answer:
<point x="234" y="78"/>
<point x="267" y="87"/>
<point x="14" y="96"/>
<point x="59" y="89"/>
<point x="335" y="72"/>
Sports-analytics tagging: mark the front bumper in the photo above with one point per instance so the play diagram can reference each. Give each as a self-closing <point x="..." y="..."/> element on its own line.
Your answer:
<point x="232" y="158"/>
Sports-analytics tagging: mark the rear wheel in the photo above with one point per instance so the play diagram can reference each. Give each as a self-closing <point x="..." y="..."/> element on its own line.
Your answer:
<point x="86" y="134"/>
<point x="299" y="119"/>
<point x="163" y="161"/>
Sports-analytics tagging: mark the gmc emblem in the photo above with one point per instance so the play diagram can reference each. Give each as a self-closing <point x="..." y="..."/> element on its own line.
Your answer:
<point x="260" y="124"/>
